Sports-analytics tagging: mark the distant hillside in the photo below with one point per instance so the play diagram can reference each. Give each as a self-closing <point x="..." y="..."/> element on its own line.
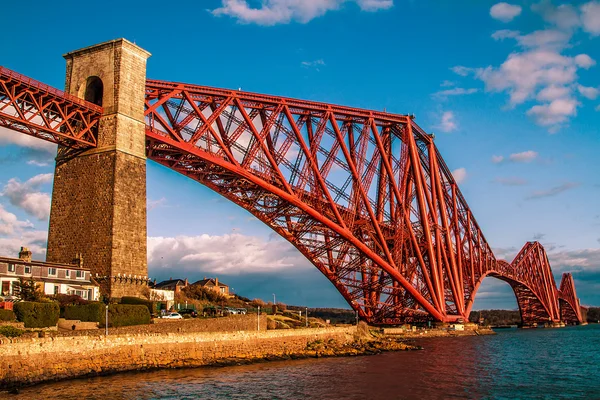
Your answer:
<point x="593" y="314"/>
<point x="334" y="315"/>
<point x="496" y="317"/>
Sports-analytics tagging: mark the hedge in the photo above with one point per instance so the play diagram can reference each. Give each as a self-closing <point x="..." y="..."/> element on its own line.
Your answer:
<point x="118" y="314"/>
<point x="7" y="315"/>
<point x="126" y="314"/>
<point x="92" y="312"/>
<point x="11" y="331"/>
<point x="37" y="315"/>
<point x="136" y="300"/>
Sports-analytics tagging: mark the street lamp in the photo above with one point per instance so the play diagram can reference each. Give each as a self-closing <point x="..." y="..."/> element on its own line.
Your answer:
<point x="274" y="302"/>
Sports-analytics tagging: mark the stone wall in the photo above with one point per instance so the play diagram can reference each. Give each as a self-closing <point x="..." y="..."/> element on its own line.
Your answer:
<point x="27" y="361"/>
<point x="232" y="323"/>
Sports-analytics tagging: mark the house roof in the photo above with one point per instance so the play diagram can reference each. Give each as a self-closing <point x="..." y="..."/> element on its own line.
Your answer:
<point x="170" y="282"/>
<point x="209" y="282"/>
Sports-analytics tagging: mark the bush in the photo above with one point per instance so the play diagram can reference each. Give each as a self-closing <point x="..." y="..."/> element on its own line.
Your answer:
<point x="128" y="314"/>
<point x="92" y="312"/>
<point x="136" y="300"/>
<point x="11" y="331"/>
<point x="7" y="315"/>
<point x="37" y="315"/>
<point x="118" y="314"/>
<point x="69" y="300"/>
<point x="196" y="292"/>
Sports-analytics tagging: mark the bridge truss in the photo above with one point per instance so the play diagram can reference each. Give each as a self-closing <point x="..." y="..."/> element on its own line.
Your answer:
<point x="365" y="196"/>
<point x="39" y="110"/>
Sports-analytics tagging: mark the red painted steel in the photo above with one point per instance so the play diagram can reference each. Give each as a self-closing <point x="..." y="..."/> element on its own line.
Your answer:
<point x="39" y="110"/>
<point x="570" y="308"/>
<point x="364" y="195"/>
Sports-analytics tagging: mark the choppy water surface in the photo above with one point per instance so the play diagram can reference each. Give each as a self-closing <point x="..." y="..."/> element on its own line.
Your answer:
<point x="525" y="364"/>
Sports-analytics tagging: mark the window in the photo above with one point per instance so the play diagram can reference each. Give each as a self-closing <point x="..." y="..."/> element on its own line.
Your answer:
<point x="5" y="288"/>
<point x="52" y="271"/>
<point x="11" y="267"/>
<point x="67" y="273"/>
<point x="80" y="274"/>
<point x="27" y="269"/>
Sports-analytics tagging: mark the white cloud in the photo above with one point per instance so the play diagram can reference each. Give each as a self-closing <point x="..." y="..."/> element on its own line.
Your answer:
<point x="462" y="71"/>
<point x="459" y="174"/>
<point x="538" y="69"/>
<point x="552" y="191"/>
<point x="497" y="159"/>
<point x="37" y="163"/>
<point x="9" y="223"/>
<point x="226" y="254"/>
<point x="590" y="17"/>
<point x="522" y="74"/>
<point x="152" y="204"/>
<point x="511" y="181"/>
<point x="504" y="12"/>
<point x="548" y="39"/>
<point x="553" y="92"/>
<point x="524" y="157"/>
<point x="505" y="34"/>
<point x="375" y="5"/>
<point x="588" y="92"/>
<point x="8" y="137"/>
<point x="28" y="197"/>
<point x="564" y="16"/>
<point x="448" y="122"/>
<point x="34" y="240"/>
<point x="314" y="64"/>
<point x="581" y="259"/>
<point x="584" y="61"/>
<point x="454" y="92"/>
<point x="273" y="12"/>
<point x="554" y="113"/>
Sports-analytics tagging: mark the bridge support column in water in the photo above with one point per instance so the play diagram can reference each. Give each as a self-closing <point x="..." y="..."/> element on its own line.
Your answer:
<point x="99" y="195"/>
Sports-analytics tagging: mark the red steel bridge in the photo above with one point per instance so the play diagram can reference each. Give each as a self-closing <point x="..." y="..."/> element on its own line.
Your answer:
<point x="364" y="195"/>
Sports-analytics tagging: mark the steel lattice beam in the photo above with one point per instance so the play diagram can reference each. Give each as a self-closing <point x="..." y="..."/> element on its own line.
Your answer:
<point x="364" y="195"/>
<point x="39" y="110"/>
<point x="570" y="309"/>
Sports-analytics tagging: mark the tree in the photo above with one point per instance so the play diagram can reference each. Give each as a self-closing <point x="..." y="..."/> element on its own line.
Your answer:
<point x="27" y="290"/>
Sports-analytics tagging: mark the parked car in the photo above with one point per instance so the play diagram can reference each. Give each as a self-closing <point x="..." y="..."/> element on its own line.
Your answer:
<point x="173" y="315"/>
<point x="242" y="311"/>
<point x="189" y="311"/>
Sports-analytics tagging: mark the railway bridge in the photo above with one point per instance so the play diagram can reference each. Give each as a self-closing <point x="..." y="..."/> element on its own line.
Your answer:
<point x="364" y="195"/>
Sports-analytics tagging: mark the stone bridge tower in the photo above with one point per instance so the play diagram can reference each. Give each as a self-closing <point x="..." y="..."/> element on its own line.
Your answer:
<point x="99" y="196"/>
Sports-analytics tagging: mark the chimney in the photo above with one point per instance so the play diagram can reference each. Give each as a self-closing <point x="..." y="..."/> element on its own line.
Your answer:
<point x="186" y="282"/>
<point x="25" y="254"/>
<point x="170" y="278"/>
<point x="78" y="260"/>
<point x="216" y="281"/>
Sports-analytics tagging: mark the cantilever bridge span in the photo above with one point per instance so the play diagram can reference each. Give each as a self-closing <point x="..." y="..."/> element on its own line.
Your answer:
<point x="364" y="195"/>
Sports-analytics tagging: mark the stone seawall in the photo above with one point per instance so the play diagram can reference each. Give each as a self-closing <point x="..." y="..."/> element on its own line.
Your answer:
<point x="25" y="361"/>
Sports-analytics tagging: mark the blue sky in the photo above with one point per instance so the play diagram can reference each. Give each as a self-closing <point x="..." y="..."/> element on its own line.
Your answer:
<point x="511" y="91"/>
